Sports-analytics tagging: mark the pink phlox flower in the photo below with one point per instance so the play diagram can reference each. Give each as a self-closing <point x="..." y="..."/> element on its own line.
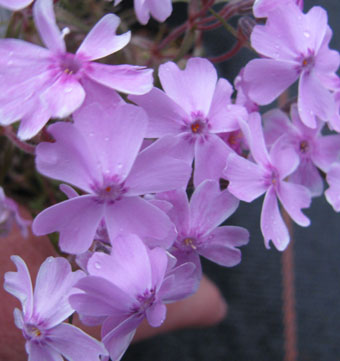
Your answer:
<point x="197" y="224"/>
<point x="158" y="9"/>
<point x="314" y="150"/>
<point x="100" y="155"/>
<point x="295" y="46"/>
<point x="249" y="180"/>
<point x="194" y="108"/>
<point x="39" y="83"/>
<point x="45" y="309"/>
<point x="262" y="8"/>
<point x="333" y="192"/>
<point x="15" y="4"/>
<point x="9" y="215"/>
<point x="127" y="286"/>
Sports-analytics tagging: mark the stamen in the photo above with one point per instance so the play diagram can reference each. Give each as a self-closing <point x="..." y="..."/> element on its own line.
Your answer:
<point x="195" y="127"/>
<point x="304" y="146"/>
<point x="190" y="243"/>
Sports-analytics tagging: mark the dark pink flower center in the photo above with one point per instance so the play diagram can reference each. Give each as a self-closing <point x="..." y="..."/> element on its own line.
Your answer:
<point x="145" y="300"/>
<point x="70" y="63"/>
<point x="304" y="146"/>
<point x="33" y="333"/>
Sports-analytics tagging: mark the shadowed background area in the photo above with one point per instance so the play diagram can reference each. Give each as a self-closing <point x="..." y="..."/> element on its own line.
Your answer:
<point x="254" y="328"/>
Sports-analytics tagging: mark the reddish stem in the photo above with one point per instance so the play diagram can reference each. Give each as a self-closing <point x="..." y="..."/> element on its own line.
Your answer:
<point x="27" y="148"/>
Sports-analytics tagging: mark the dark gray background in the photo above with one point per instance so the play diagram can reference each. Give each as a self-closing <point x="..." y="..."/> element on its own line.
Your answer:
<point x="253" y="330"/>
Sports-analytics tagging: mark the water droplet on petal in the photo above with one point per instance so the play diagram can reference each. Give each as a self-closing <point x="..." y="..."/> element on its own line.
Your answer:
<point x="306" y="34"/>
<point x="91" y="134"/>
<point x="68" y="90"/>
<point x="97" y="265"/>
<point x="10" y="62"/>
<point x="106" y="139"/>
<point x="119" y="165"/>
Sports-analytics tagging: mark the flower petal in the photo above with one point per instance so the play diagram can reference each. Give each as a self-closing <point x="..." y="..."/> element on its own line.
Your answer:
<point x="266" y="79"/>
<point x="154" y="172"/>
<point x="19" y="285"/>
<point x="129" y="79"/>
<point x="53" y="286"/>
<point x="42" y="351"/>
<point x="102" y="40"/>
<point x="138" y="216"/>
<point x="206" y="166"/>
<point x="220" y="245"/>
<point x="75" y="344"/>
<point x="333" y="192"/>
<point x="165" y="116"/>
<point x="209" y="207"/>
<point x="64" y="96"/>
<point x="193" y="88"/>
<point x="246" y="178"/>
<point x="76" y="219"/>
<point x="69" y="158"/>
<point x="45" y="21"/>
<point x="272" y="226"/>
<point x="156" y="314"/>
<point x="115" y="138"/>
<point x="294" y="197"/>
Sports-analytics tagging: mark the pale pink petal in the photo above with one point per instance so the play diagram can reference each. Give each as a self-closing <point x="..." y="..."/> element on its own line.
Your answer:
<point x="220" y="245"/>
<point x="180" y="283"/>
<point x="19" y="285"/>
<point x="327" y="60"/>
<point x="315" y="27"/>
<point x="314" y="100"/>
<point x="129" y="79"/>
<point x="179" y="214"/>
<point x="275" y="124"/>
<point x="333" y="192"/>
<point x="266" y="79"/>
<point x="116" y="142"/>
<point x="272" y="226"/>
<point x="42" y="351"/>
<point x="64" y="96"/>
<point x="308" y="176"/>
<point x="75" y="344"/>
<point x="160" y="10"/>
<point x="284" y="158"/>
<point x="54" y="284"/>
<point x="192" y="88"/>
<point x="255" y="137"/>
<point x="165" y="116"/>
<point x="326" y="151"/>
<point x="127" y="250"/>
<point x="138" y="216"/>
<point x="98" y="93"/>
<point x="206" y="166"/>
<point x="15" y="5"/>
<point x="118" y="339"/>
<point x="76" y="220"/>
<point x="68" y="191"/>
<point x="159" y="264"/>
<point x="155" y="172"/>
<point x="294" y="197"/>
<point x="69" y="158"/>
<point x="156" y="314"/>
<point x="45" y="21"/>
<point x="102" y="40"/>
<point x="247" y="179"/>
<point x="142" y="11"/>
<point x="101" y="297"/>
<point x="209" y="207"/>
<point x="36" y="116"/>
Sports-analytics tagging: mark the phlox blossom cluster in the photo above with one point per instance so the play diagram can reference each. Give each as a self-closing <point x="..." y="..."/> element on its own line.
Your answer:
<point x="150" y="180"/>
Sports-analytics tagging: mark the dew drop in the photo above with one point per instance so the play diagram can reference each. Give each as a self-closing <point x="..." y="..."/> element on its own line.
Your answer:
<point x="119" y="165"/>
<point x="91" y="134"/>
<point x="306" y="34"/>
<point x="97" y="265"/>
<point x="68" y="90"/>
